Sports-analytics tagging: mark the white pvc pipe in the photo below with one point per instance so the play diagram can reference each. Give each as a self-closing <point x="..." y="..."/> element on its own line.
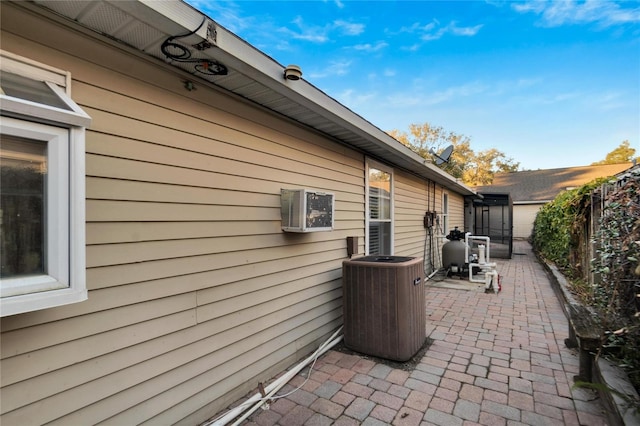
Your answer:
<point x="270" y="393"/>
<point x="484" y="269"/>
<point x="431" y="275"/>
<point x="257" y="399"/>
<point x="487" y="245"/>
<point x="466" y="247"/>
<point x="485" y="265"/>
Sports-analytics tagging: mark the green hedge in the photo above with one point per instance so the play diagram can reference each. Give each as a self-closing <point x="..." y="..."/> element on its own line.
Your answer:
<point x="559" y="231"/>
<point x="560" y="222"/>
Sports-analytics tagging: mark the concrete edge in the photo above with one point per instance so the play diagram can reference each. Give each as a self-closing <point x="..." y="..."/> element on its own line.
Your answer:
<point x="619" y="410"/>
<point x="605" y="373"/>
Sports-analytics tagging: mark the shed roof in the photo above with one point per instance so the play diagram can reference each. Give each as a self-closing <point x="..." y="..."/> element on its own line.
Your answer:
<point x="145" y="25"/>
<point x="541" y="186"/>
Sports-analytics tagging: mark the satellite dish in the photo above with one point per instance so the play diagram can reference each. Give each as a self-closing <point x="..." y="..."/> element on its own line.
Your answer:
<point x="444" y="156"/>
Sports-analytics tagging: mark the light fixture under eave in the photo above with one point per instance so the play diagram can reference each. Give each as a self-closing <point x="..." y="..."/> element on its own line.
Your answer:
<point x="189" y="85"/>
<point x="292" y="72"/>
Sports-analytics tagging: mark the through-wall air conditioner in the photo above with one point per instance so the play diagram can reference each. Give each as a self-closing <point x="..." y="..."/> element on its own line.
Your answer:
<point x="306" y="210"/>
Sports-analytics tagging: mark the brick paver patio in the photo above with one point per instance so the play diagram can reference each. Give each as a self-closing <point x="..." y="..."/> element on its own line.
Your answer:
<point x="495" y="359"/>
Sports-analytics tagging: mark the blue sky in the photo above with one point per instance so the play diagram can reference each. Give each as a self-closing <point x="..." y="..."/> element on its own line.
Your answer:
<point x="550" y="84"/>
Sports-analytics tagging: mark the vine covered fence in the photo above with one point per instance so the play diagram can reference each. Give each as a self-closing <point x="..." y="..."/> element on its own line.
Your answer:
<point x="592" y="233"/>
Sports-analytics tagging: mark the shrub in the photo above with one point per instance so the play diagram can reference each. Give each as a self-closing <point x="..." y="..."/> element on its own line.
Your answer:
<point x="616" y="294"/>
<point x="561" y="231"/>
<point x="560" y="223"/>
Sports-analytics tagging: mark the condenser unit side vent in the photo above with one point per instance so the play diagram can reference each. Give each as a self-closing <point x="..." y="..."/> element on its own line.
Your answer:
<point x="306" y="210"/>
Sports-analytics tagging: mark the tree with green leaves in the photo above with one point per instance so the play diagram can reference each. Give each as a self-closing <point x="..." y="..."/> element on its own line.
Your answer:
<point x="473" y="168"/>
<point x="624" y="153"/>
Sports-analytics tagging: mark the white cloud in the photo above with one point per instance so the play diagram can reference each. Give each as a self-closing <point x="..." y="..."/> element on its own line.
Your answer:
<point x="602" y="13"/>
<point x="405" y="100"/>
<point x="335" y="68"/>
<point x="456" y="92"/>
<point x="339" y="67"/>
<point x="413" y="48"/>
<point x="464" y="31"/>
<point x="282" y="45"/>
<point x="453" y="29"/>
<point x="608" y="101"/>
<point x="548" y="98"/>
<point x="532" y="6"/>
<point x="349" y="28"/>
<point x="321" y="34"/>
<point x="563" y="97"/>
<point x="528" y="82"/>
<point x="315" y="34"/>
<point x="353" y="99"/>
<point x="417" y="98"/>
<point x="368" y="47"/>
<point x="434" y="30"/>
<point x="433" y="36"/>
<point x="511" y="87"/>
<point x="417" y="27"/>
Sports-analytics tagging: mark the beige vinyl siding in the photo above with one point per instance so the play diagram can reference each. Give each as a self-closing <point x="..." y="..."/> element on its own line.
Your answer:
<point x="411" y="197"/>
<point x="456" y="211"/>
<point x="195" y="293"/>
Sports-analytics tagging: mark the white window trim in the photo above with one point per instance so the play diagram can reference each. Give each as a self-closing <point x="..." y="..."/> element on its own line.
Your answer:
<point x="45" y="113"/>
<point x="372" y="164"/>
<point x="57" y="262"/>
<point x="445" y="213"/>
<point x="66" y="279"/>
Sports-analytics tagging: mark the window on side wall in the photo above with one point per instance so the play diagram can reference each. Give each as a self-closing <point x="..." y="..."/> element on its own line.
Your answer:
<point x="379" y="209"/>
<point x="445" y="213"/>
<point x="42" y="241"/>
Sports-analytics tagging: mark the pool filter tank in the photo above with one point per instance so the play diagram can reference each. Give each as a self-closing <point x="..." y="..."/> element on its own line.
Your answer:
<point x="454" y="252"/>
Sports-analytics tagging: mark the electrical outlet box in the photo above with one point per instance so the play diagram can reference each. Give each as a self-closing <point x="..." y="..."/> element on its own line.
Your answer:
<point x="306" y="210"/>
<point x="428" y="219"/>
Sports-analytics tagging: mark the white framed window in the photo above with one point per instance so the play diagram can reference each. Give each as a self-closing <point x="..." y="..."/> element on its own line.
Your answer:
<point x="42" y="220"/>
<point x="379" y="201"/>
<point x="445" y="213"/>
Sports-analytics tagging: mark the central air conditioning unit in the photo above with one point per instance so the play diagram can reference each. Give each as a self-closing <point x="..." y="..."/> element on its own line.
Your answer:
<point x="384" y="309"/>
<point x="306" y="210"/>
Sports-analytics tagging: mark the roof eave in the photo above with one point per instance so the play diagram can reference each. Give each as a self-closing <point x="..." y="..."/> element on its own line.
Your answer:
<point x="177" y="17"/>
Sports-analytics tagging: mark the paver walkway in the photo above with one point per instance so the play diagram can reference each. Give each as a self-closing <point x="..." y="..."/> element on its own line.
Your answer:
<point x="496" y="359"/>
